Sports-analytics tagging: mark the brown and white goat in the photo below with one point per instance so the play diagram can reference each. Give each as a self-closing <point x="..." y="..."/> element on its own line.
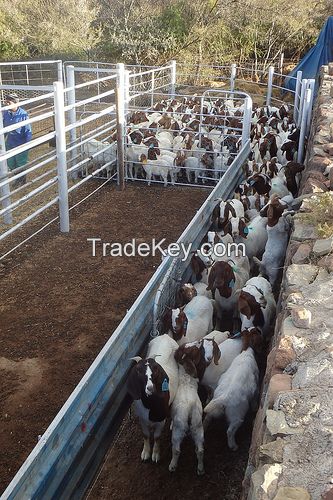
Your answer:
<point x="153" y="386"/>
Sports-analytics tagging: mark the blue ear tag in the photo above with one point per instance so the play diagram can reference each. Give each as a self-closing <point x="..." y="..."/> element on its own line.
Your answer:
<point x="151" y="146"/>
<point x="234" y="268"/>
<point x="236" y="335"/>
<point x="251" y="182"/>
<point x="231" y="284"/>
<point x="165" y="385"/>
<point x="246" y="230"/>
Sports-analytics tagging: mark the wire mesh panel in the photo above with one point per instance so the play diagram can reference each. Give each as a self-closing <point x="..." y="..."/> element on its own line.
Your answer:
<point x="166" y="296"/>
<point x="29" y="77"/>
<point x="183" y="138"/>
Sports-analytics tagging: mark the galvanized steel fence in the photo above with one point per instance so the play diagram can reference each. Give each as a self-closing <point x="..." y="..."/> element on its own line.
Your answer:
<point x="86" y="108"/>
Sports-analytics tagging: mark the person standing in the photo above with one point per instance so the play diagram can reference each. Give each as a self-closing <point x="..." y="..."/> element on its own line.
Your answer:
<point x="16" y="137"/>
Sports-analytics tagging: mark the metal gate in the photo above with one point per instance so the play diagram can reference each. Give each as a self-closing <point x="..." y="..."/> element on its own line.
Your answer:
<point x="185" y="139"/>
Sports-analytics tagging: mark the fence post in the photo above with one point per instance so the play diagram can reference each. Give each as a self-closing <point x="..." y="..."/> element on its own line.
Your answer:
<point x="304" y="85"/>
<point x="247" y="117"/>
<point x="281" y="62"/>
<point x="269" y="85"/>
<point x="311" y="85"/>
<point x="70" y="77"/>
<point x="120" y="117"/>
<point x="233" y="72"/>
<point x="59" y="121"/>
<point x="152" y="89"/>
<point x="127" y="92"/>
<point x="59" y="71"/>
<point x="4" y="190"/>
<point x="297" y="93"/>
<point x="306" y="110"/>
<point x="173" y="78"/>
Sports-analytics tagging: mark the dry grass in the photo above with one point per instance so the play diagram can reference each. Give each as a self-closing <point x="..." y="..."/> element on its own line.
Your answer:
<point x="320" y="214"/>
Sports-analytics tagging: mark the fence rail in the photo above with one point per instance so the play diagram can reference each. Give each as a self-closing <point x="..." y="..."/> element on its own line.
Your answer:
<point x="89" y="112"/>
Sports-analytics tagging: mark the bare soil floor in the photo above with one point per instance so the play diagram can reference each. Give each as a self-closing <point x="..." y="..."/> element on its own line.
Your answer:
<point x="59" y="305"/>
<point x="125" y="477"/>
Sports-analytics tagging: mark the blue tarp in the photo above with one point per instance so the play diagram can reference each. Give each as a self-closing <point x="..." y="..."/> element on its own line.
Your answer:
<point x="321" y="53"/>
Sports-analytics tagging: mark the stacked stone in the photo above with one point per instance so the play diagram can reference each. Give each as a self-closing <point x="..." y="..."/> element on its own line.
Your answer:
<point x="291" y="455"/>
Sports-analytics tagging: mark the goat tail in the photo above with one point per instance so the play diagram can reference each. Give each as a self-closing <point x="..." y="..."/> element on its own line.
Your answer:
<point x="215" y="406"/>
<point x="256" y="260"/>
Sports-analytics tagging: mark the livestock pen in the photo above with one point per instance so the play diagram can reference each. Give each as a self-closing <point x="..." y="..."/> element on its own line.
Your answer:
<point x="70" y="451"/>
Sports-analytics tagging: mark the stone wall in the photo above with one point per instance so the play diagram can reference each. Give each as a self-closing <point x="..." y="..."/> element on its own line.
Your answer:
<point x="291" y="455"/>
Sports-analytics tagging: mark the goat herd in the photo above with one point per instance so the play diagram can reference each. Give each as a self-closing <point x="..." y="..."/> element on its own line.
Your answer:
<point x="176" y="141"/>
<point x="193" y="353"/>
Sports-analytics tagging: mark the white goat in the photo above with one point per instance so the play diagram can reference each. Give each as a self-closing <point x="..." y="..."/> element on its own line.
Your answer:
<point x="255" y="237"/>
<point x="237" y="389"/>
<point x="186" y="414"/>
<point x="278" y="234"/>
<point x="101" y="152"/>
<point x="192" y="321"/>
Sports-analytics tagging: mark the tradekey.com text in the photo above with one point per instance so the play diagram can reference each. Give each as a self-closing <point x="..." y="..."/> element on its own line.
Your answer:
<point x="135" y="248"/>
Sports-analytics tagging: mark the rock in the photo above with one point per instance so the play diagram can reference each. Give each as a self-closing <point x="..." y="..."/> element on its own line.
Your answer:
<point x="326" y="262"/>
<point x="299" y="275"/>
<point x="303" y="231"/>
<point x="312" y="185"/>
<point x="319" y="163"/>
<point x="285" y="353"/>
<point x="302" y="254"/>
<point x="328" y="148"/>
<point x="323" y="247"/>
<point x="301" y="317"/>
<point x="295" y="298"/>
<point x="314" y="174"/>
<point x="315" y="372"/>
<point x="264" y="482"/>
<point x="280" y="382"/>
<point x="273" y="451"/>
<point x="319" y="151"/>
<point x="277" y="424"/>
<point x="291" y="250"/>
<point x="257" y="435"/>
<point x="288" y="493"/>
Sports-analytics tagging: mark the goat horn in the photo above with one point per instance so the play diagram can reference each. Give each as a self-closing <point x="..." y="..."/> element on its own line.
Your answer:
<point x="288" y="212"/>
<point x="136" y="359"/>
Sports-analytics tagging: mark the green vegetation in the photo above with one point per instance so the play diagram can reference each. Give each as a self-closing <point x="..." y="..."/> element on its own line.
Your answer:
<point x="320" y="214"/>
<point x="154" y="31"/>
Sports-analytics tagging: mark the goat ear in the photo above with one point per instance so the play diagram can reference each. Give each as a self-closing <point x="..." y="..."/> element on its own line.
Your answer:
<point x="264" y="210"/>
<point x="190" y="367"/>
<point x="180" y="354"/>
<point x="134" y="384"/>
<point x="216" y="353"/>
<point x="211" y="279"/>
<point x="243" y="306"/>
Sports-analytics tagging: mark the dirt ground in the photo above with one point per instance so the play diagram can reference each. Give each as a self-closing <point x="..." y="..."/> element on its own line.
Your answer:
<point x="60" y="305"/>
<point x="124" y="476"/>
